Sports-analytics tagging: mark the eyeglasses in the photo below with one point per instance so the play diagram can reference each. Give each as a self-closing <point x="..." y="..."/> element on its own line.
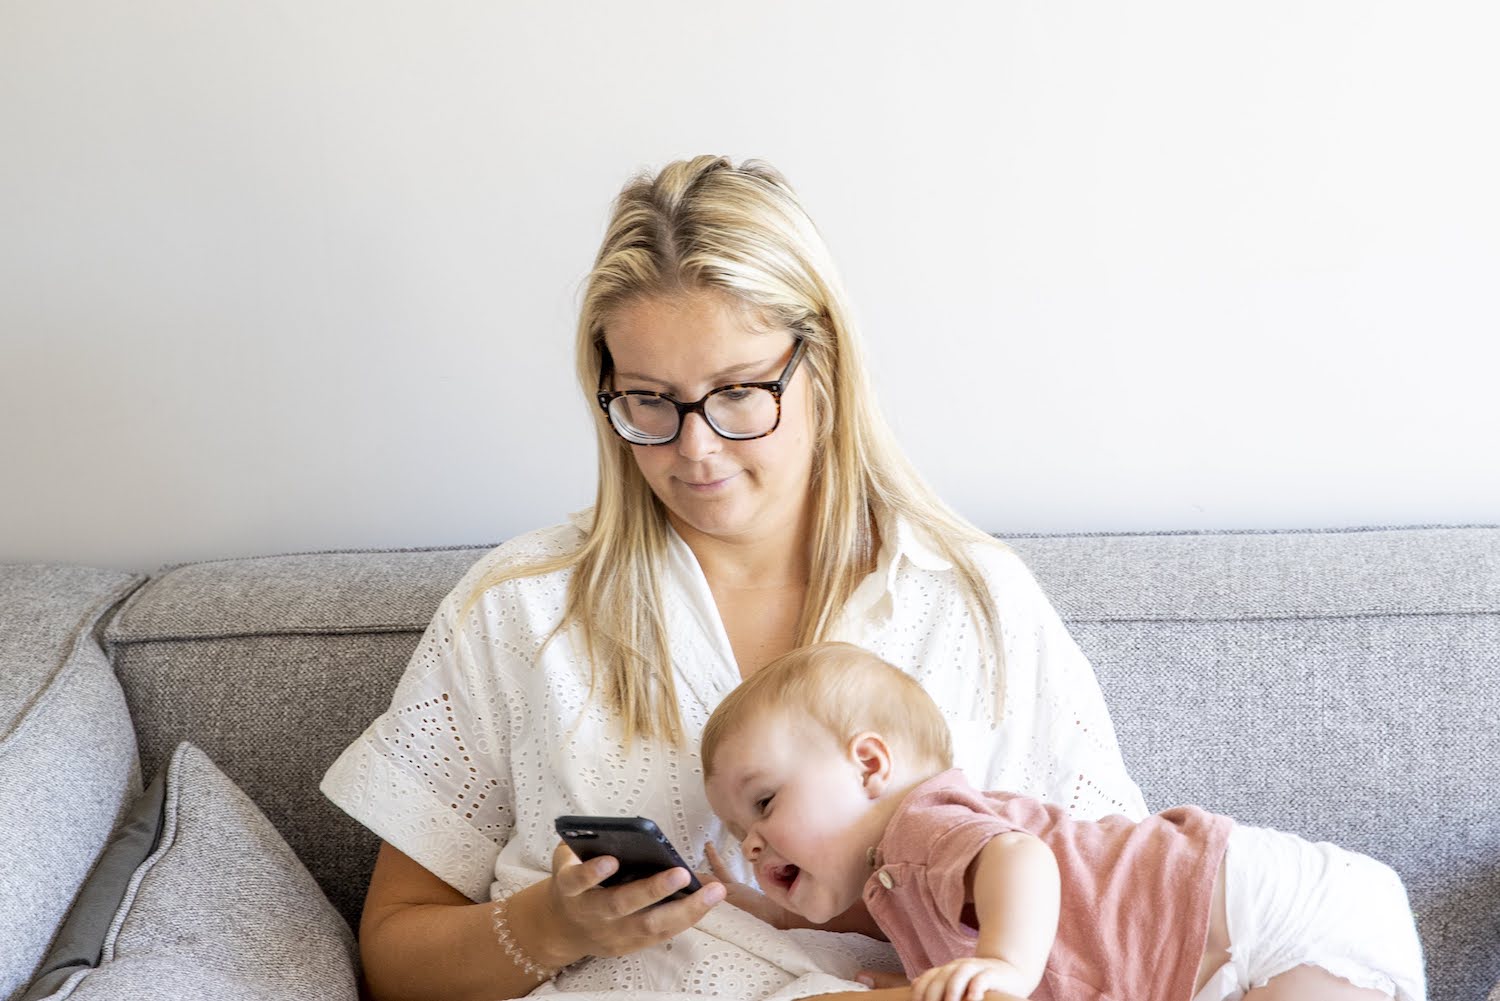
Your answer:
<point x="739" y="411"/>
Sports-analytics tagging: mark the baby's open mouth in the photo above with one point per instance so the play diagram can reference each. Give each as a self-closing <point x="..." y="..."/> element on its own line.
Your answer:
<point x="784" y="875"/>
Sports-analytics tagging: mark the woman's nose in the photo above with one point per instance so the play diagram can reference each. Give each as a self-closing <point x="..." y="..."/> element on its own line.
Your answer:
<point x="696" y="440"/>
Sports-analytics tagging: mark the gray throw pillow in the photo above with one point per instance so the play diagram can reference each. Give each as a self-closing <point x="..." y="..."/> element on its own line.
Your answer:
<point x="220" y="908"/>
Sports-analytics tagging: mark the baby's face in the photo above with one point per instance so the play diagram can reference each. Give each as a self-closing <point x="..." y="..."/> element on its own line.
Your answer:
<point x="797" y="801"/>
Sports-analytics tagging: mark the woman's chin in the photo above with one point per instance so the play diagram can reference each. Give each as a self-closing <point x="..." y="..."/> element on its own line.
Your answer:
<point x="721" y="519"/>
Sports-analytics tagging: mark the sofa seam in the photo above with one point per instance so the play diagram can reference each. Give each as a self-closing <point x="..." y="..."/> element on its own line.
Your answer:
<point x="1249" y="532"/>
<point x="417" y="629"/>
<point x="1290" y="616"/>
<point x="377" y="630"/>
<point x="66" y="666"/>
<point x="167" y="568"/>
<point x="167" y="840"/>
<point x="1002" y="536"/>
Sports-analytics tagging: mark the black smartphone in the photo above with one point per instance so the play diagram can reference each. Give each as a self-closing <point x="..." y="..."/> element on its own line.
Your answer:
<point x="635" y="842"/>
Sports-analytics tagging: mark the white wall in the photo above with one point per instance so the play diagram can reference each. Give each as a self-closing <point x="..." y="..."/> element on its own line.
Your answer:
<point x="302" y="274"/>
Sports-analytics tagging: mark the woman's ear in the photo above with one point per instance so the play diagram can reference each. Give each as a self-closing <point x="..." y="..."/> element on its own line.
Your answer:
<point x="872" y="755"/>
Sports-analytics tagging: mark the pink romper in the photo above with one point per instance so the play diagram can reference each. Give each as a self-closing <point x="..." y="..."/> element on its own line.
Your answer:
<point x="1135" y="896"/>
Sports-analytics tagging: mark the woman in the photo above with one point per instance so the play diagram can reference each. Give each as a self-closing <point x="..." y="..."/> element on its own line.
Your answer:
<point x="750" y="500"/>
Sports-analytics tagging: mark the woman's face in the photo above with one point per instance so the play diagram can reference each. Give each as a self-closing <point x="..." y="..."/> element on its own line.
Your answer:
<point x="684" y="346"/>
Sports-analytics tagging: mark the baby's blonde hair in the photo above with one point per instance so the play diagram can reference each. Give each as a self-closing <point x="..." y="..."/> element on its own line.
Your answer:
<point x="845" y="689"/>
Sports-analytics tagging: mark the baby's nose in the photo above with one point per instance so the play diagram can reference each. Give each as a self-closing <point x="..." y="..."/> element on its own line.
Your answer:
<point x="751" y="847"/>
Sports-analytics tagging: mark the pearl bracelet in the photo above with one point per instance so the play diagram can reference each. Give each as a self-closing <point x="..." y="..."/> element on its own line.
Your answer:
<point x="508" y="943"/>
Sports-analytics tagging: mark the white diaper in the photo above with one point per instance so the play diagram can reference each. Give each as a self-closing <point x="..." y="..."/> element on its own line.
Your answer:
<point x="1291" y="902"/>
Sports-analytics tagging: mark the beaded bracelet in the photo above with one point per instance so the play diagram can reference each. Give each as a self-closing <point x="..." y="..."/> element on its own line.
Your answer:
<point x="508" y="943"/>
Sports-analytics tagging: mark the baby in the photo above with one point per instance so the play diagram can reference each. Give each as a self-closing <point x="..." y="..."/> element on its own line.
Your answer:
<point x="834" y="769"/>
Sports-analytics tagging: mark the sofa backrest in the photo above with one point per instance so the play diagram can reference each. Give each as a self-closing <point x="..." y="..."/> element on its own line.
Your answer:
<point x="273" y="666"/>
<point x="1342" y="685"/>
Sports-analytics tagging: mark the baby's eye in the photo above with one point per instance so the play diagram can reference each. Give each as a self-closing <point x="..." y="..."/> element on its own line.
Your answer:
<point x="762" y="803"/>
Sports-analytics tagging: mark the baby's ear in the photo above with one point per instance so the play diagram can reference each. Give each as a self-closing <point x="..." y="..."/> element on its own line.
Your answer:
<point x="873" y="756"/>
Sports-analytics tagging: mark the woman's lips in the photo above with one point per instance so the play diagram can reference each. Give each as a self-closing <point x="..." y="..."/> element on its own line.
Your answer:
<point x="707" y="486"/>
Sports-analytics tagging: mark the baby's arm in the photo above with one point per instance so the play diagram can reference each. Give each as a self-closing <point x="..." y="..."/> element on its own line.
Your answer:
<point x="1014" y="885"/>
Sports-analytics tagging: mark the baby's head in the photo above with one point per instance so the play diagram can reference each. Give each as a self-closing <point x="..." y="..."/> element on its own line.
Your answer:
<point x="807" y="759"/>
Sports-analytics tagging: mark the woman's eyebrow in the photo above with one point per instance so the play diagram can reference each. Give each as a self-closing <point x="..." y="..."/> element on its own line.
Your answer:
<point x="723" y="375"/>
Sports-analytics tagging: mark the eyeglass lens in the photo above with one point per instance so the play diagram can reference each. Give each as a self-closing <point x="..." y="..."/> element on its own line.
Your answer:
<point x="740" y="412"/>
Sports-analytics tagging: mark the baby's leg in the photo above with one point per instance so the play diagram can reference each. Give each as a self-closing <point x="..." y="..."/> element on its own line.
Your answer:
<point x="1312" y="983"/>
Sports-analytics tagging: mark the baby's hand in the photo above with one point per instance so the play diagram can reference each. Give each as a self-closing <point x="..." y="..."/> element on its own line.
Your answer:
<point x="744" y="896"/>
<point x="963" y="980"/>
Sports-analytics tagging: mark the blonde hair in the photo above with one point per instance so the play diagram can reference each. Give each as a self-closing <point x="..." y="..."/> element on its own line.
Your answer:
<point x="706" y="225"/>
<point x="846" y="690"/>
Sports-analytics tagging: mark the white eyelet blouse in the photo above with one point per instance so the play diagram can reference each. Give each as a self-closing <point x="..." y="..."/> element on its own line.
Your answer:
<point x="485" y="743"/>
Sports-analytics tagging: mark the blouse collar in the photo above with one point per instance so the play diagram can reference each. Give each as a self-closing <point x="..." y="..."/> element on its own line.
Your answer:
<point x="901" y="542"/>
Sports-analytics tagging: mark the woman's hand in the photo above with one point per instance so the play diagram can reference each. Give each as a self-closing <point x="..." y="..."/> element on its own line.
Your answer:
<point x="746" y="897"/>
<point x="594" y="920"/>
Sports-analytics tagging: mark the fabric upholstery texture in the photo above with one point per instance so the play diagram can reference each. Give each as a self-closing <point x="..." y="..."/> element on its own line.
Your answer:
<point x="1215" y="576"/>
<point x="68" y="765"/>
<point x="1342" y="686"/>
<point x="289" y="659"/>
<point x="80" y="940"/>
<point x="317" y="593"/>
<point x="274" y="712"/>
<point x="221" y="909"/>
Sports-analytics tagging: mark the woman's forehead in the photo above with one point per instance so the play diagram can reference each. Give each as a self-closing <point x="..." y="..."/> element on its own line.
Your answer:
<point x="691" y="340"/>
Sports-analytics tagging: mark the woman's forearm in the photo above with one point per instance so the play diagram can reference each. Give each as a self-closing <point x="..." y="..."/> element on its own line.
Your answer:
<point x="426" y="951"/>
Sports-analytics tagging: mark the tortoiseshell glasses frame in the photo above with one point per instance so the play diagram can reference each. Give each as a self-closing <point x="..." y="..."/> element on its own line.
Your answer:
<point x="614" y="402"/>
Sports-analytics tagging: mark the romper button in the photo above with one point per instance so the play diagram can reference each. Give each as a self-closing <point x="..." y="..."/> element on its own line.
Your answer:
<point x="885" y="879"/>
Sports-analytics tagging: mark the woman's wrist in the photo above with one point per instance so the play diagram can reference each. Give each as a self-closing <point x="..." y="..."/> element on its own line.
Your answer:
<point x="536" y="930"/>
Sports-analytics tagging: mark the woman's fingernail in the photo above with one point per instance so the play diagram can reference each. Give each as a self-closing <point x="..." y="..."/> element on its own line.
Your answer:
<point x="714" y="893"/>
<point x="866" y="979"/>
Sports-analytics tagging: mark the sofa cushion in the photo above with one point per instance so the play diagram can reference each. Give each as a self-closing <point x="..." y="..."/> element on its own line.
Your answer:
<point x="68" y="765"/>
<point x="80" y="940"/>
<point x="273" y="665"/>
<point x="220" y="908"/>
<point x="1340" y="685"/>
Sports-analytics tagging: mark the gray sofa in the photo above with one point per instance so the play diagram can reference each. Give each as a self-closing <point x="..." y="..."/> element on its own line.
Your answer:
<point x="1342" y="684"/>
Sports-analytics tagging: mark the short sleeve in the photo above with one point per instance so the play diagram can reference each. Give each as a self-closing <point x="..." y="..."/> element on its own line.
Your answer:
<point x="953" y="848"/>
<point x="430" y="775"/>
<point x="1056" y="719"/>
<point x="1082" y="730"/>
